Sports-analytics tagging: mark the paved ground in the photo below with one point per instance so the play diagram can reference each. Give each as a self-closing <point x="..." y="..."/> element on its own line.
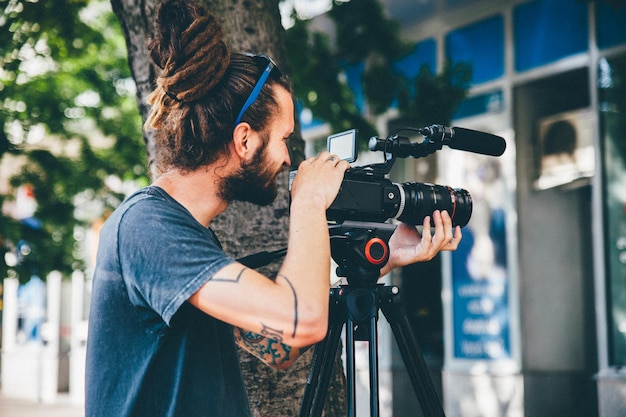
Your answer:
<point x="10" y="407"/>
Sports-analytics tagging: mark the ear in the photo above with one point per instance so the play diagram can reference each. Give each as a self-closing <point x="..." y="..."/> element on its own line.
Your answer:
<point x="243" y="138"/>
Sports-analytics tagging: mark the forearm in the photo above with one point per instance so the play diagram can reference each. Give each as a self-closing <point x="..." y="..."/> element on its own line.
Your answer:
<point x="307" y="262"/>
<point x="305" y="273"/>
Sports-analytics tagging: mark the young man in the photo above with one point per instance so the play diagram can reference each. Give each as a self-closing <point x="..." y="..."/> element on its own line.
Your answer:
<point x="168" y="305"/>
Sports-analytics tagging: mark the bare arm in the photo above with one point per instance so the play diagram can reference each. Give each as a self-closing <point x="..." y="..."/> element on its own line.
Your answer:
<point x="293" y="308"/>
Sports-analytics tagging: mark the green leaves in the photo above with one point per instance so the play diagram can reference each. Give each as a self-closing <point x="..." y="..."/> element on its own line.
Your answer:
<point x="70" y="115"/>
<point x="436" y="95"/>
<point x="363" y="35"/>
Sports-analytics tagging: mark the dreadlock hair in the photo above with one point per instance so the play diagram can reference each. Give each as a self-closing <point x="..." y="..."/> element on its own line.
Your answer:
<point x="201" y="88"/>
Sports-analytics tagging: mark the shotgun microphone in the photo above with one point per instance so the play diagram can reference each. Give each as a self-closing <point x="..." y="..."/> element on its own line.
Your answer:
<point x="465" y="139"/>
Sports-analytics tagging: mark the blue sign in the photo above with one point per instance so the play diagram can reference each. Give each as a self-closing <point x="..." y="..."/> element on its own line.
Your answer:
<point x="480" y="289"/>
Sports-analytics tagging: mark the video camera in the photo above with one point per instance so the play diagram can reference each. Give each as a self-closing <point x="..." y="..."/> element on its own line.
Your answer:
<point x="367" y="195"/>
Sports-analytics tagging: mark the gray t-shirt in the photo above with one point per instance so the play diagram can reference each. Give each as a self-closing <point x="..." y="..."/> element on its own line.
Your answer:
<point x="149" y="352"/>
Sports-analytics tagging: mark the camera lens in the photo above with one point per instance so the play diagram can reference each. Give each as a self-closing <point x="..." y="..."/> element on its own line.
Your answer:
<point x="421" y="200"/>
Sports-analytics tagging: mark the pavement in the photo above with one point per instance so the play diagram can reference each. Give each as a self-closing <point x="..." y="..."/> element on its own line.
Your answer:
<point x="62" y="407"/>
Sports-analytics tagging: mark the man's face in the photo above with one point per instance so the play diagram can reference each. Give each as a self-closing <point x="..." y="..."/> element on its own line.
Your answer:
<point x="256" y="180"/>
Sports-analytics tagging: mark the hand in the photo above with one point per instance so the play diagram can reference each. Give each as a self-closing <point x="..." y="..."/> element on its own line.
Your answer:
<point x="318" y="179"/>
<point x="408" y="246"/>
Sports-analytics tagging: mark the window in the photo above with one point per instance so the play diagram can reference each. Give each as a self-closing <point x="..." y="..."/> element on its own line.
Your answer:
<point x="548" y="30"/>
<point x="481" y="45"/>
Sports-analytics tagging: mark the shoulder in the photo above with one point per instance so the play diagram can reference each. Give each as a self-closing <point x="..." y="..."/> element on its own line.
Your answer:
<point x="151" y="206"/>
<point x="150" y="215"/>
<point x="153" y="198"/>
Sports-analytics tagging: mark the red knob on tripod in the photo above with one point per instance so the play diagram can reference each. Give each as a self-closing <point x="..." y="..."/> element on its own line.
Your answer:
<point x="376" y="251"/>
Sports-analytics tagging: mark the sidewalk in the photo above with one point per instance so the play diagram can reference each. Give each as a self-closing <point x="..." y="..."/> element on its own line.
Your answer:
<point x="11" y="407"/>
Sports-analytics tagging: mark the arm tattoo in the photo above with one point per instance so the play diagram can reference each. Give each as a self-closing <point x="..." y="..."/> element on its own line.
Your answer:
<point x="272" y="333"/>
<point x="295" y="304"/>
<point x="269" y="350"/>
<point x="235" y="280"/>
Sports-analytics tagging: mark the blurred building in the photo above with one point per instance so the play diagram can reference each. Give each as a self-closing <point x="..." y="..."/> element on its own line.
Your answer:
<point x="528" y="317"/>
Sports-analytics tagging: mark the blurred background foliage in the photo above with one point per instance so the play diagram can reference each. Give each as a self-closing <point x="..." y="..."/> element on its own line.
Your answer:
<point x="360" y="32"/>
<point x="71" y="128"/>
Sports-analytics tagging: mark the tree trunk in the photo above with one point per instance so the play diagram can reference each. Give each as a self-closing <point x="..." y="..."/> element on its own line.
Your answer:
<point x="251" y="26"/>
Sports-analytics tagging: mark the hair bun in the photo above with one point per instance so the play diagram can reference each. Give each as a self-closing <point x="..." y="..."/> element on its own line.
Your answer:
<point x="190" y="49"/>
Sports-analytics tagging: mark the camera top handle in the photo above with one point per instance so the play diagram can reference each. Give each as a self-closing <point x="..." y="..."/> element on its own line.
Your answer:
<point x="400" y="146"/>
<point x="435" y="136"/>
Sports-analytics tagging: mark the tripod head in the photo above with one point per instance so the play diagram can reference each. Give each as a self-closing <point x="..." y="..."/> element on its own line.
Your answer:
<point x="360" y="249"/>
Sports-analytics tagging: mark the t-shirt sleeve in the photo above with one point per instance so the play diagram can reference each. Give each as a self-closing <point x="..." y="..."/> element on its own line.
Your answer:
<point x="165" y="255"/>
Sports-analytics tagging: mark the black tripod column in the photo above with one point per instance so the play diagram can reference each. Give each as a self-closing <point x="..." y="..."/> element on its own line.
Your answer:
<point x="362" y="308"/>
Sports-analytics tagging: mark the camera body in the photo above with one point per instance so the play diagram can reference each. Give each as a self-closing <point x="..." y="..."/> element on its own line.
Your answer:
<point x="363" y="197"/>
<point x="375" y="199"/>
<point x="367" y="195"/>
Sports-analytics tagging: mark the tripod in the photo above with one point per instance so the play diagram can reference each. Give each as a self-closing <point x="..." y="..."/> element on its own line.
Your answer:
<point x="361" y="250"/>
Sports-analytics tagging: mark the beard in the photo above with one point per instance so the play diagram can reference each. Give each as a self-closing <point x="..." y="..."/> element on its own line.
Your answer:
<point x="254" y="182"/>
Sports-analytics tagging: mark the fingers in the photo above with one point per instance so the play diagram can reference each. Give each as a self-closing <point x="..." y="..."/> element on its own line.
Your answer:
<point x="332" y="159"/>
<point x="454" y="243"/>
<point x="443" y="237"/>
<point x="325" y="160"/>
<point x="320" y="176"/>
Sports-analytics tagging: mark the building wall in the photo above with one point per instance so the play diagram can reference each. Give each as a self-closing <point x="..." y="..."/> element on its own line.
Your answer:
<point x="556" y="323"/>
<point x="546" y="69"/>
<point x="556" y="255"/>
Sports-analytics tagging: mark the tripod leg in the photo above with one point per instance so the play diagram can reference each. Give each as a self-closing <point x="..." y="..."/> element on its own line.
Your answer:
<point x="373" y="361"/>
<point x="372" y="334"/>
<point x="411" y="354"/>
<point x="350" y="368"/>
<point x="320" y="373"/>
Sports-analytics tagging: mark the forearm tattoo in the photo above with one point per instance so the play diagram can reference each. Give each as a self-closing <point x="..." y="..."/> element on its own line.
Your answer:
<point x="275" y="334"/>
<point x="295" y="304"/>
<point x="269" y="350"/>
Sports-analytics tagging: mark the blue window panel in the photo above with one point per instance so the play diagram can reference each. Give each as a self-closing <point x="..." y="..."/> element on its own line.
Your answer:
<point x="481" y="45"/>
<point x="425" y="53"/>
<point x="547" y="30"/>
<point x="610" y="23"/>
<point x="354" y="78"/>
<point x="492" y="102"/>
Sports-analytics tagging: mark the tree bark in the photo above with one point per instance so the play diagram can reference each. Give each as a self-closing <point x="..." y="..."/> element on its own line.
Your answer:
<point x="251" y="26"/>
